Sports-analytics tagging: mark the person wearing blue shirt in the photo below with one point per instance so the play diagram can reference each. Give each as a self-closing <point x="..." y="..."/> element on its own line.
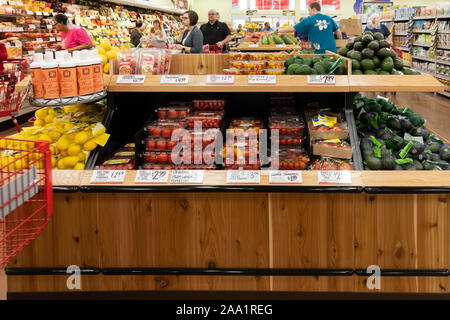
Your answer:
<point x="320" y="29"/>
<point x="266" y="28"/>
<point x="374" y="25"/>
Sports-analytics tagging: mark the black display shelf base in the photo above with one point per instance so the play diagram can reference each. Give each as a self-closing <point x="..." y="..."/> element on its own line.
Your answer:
<point x="60" y="102"/>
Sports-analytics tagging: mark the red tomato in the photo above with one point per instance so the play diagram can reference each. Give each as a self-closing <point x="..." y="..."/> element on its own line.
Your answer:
<point x="163" y="158"/>
<point x="151" y="157"/>
<point x="151" y="144"/>
<point x="182" y="114"/>
<point x="166" y="133"/>
<point x="172" y="114"/>
<point x="162" y="114"/>
<point x="157" y="132"/>
<point x="171" y="144"/>
<point x="161" y="145"/>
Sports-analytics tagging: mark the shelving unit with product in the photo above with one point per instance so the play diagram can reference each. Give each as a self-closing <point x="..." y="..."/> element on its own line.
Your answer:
<point x="123" y="220"/>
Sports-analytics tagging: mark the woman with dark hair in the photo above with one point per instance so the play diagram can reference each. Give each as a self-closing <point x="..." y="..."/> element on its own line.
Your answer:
<point x="73" y="37"/>
<point x="190" y="39"/>
<point x="158" y="35"/>
<point x="136" y="35"/>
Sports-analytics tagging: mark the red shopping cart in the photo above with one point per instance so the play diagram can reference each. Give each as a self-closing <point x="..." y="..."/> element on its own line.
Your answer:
<point x="26" y="194"/>
<point x="11" y="72"/>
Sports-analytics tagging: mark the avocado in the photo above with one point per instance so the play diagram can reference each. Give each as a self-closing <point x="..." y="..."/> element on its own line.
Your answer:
<point x="366" y="144"/>
<point x="367" y="38"/>
<point x="349" y="45"/>
<point x="383" y="73"/>
<point x="357" y="39"/>
<point x="374" y="163"/>
<point x="342" y="51"/>
<point x="308" y="62"/>
<point x="405" y="125"/>
<point x="384" y="53"/>
<point x="445" y="153"/>
<point x="367" y="64"/>
<point x="368" y="32"/>
<point x="409" y="166"/>
<point x="376" y="61"/>
<point x="378" y="36"/>
<point x="358" y="46"/>
<point x="384" y="44"/>
<point x="303" y="70"/>
<point x="434" y="157"/>
<point x="398" y="167"/>
<point x="320" y="68"/>
<point x="367" y="53"/>
<point x="422" y="157"/>
<point x="357" y="71"/>
<point x="386" y="106"/>
<point x="416" y="119"/>
<point x="407" y="71"/>
<point x="355" y="55"/>
<point x="371" y="72"/>
<point x="435" y="147"/>
<point x="367" y="153"/>
<point x="327" y="64"/>
<point x="355" y="64"/>
<point x="396" y="72"/>
<point x="393" y="123"/>
<point x="387" y="64"/>
<point x="398" y="63"/>
<point x="388" y="162"/>
<point x="417" y="148"/>
<point x="292" y="68"/>
<point x="316" y="59"/>
<point x="289" y="61"/>
<point x="420" y="132"/>
<point x="374" y="45"/>
<point x="340" y="70"/>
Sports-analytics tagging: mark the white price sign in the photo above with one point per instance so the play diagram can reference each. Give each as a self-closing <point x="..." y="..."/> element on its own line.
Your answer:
<point x="285" y="177"/>
<point x="46" y="14"/>
<point x="262" y="79"/>
<point x="108" y="176"/>
<point x="31" y="52"/>
<point x="281" y="46"/>
<point x="38" y="13"/>
<point x="175" y="79"/>
<point x="49" y="26"/>
<point x="321" y="79"/>
<point x="339" y="177"/>
<point x="219" y="79"/>
<point x="253" y="46"/>
<point x="58" y="38"/>
<point x="32" y="27"/>
<point x="131" y="79"/>
<point x="30" y="12"/>
<point x="39" y="40"/>
<point x="51" y="39"/>
<point x="152" y="176"/>
<point x="187" y="176"/>
<point x="243" y="176"/>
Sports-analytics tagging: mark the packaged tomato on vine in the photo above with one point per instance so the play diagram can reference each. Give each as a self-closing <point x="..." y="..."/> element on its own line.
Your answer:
<point x="291" y="159"/>
<point x="327" y="163"/>
<point x="335" y="148"/>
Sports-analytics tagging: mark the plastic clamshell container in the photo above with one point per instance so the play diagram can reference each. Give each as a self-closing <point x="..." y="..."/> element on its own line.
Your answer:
<point x="164" y="128"/>
<point x="232" y="71"/>
<point x="117" y="164"/>
<point x="326" y="163"/>
<point x="208" y="120"/>
<point x="173" y="113"/>
<point x="287" y="126"/>
<point x="209" y="104"/>
<point x="291" y="159"/>
<point x="159" y="144"/>
<point x="275" y="72"/>
<point x="154" y="166"/>
<point x="276" y="56"/>
<point x="341" y="150"/>
<point x="257" y="56"/>
<point x="275" y="64"/>
<point x="238" y="56"/>
<point x="254" y="65"/>
<point x="293" y="141"/>
<point x="237" y="64"/>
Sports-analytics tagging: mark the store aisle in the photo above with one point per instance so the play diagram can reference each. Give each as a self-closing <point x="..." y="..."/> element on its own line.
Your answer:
<point x="433" y="107"/>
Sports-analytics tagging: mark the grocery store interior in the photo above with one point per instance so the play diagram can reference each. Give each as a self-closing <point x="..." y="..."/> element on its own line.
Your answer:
<point x="233" y="146"/>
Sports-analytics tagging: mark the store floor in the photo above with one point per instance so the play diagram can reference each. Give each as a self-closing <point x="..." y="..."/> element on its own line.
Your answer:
<point x="433" y="107"/>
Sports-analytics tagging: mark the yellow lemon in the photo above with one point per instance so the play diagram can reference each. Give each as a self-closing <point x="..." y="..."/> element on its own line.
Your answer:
<point x="54" y="134"/>
<point x="49" y="118"/>
<point x="41" y="113"/>
<point x="106" y="68"/>
<point x="39" y="123"/>
<point x="53" y="150"/>
<point x="51" y="111"/>
<point x="79" y="166"/>
<point x="104" y="58"/>
<point x="64" y="153"/>
<point x="111" y="54"/>
<point x="106" y="45"/>
<point x="74" y="150"/>
<point x="45" y="137"/>
<point x="90" y="145"/>
<point x="81" y="156"/>
<point x="54" y="161"/>
<point x="68" y="126"/>
<point x="70" y="162"/>
<point x="101" y="50"/>
<point x="116" y="49"/>
<point x="81" y="137"/>
<point x="60" y="164"/>
<point x="62" y="144"/>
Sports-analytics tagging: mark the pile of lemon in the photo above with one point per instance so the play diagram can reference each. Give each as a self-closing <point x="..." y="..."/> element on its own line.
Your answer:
<point x="73" y="131"/>
<point x="107" y="53"/>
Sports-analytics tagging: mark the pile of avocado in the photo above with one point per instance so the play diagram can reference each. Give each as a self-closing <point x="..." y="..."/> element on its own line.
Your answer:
<point x="371" y="54"/>
<point x="394" y="139"/>
<point x="312" y="65"/>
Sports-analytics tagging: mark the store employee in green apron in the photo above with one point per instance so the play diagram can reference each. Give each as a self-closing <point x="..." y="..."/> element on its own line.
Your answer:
<point x="320" y="29"/>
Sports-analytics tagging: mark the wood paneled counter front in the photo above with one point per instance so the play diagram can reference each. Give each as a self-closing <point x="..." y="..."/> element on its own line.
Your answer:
<point x="320" y="241"/>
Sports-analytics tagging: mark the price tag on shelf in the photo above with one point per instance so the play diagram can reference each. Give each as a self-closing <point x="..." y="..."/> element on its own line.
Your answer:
<point x="108" y="176"/>
<point x="152" y="176"/>
<point x="51" y="39"/>
<point x="39" y="40"/>
<point x="262" y="79"/>
<point x="38" y="13"/>
<point x="31" y="52"/>
<point x="339" y="177"/>
<point x="46" y="14"/>
<point x="131" y="79"/>
<point x="30" y="12"/>
<point x="281" y="46"/>
<point x="175" y="79"/>
<point x="49" y="26"/>
<point x="187" y="176"/>
<point x="285" y="177"/>
<point x="322" y="79"/>
<point x="243" y="176"/>
<point x="58" y="38"/>
<point x="20" y="29"/>
<point x="31" y="27"/>
<point x="219" y="79"/>
<point x="253" y="46"/>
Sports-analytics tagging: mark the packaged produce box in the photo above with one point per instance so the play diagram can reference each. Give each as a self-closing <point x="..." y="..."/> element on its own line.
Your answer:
<point x="352" y="27"/>
<point x="324" y="125"/>
<point x="332" y="148"/>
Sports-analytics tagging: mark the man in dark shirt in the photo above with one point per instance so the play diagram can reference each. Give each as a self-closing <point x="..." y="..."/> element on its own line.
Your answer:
<point x="215" y="32"/>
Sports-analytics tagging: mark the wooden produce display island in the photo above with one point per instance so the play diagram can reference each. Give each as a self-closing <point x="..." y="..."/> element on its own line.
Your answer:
<point x="246" y="237"/>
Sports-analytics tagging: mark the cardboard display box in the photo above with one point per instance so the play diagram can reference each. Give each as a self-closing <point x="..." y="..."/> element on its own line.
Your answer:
<point x="340" y="131"/>
<point x="352" y="27"/>
<point x="330" y="150"/>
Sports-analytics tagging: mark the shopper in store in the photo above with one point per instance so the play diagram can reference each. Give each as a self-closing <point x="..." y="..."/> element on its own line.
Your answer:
<point x="158" y="35"/>
<point x="215" y="32"/>
<point x="320" y="28"/>
<point x="72" y="37"/>
<point x="374" y="25"/>
<point x="239" y="28"/>
<point x="190" y="39"/>
<point x="266" y="28"/>
<point x="136" y="34"/>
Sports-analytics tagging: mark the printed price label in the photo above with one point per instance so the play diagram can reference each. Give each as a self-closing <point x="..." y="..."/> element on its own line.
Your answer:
<point x="219" y="79"/>
<point x="30" y="12"/>
<point x="187" y="176"/>
<point x="281" y="46"/>
<point x="152" y="176"/>
<point x="262" y="79"/>
<point x="285" y="177"/>
<point x="32" y="27"/>
<point x="131" y="79"/>
<point x="175" y="79"/>
<point x="253" y="46"/>
<point x="49" y="26"/>
<point x="342" y="176"/>
<point x="58" y="38"/>
<point x="46" y="14"/>
<point x="321" y="79"/>
<point x="38" y="13"/>
<point x="31" y="52"/>
<point x="39" y="40"/>
<point x="243" y="176"/>
<point x="108" y="176"/>
<point x="51" y="39"/>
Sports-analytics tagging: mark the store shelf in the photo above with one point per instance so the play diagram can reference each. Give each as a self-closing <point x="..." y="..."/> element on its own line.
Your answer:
<point x="445" y="93"/>
<point x="444" y="32"/>
<point x="197" y="83"/>
<point x="400" y="34"/>
<point x="443" y="17"/>
<point x="401" y="19"/>
<point x="424" y="18"/>
<point x="444" y="47"/>
<point x="10" y="15"/>
<point x="422" y="45"/>
<point x="443" y="62"/>
<point x="406" y="64"/>
<point x="245" y="47"/>
<point x="421" y="31"/>
<point x="402" y="48"/>
<point x="394" y="83"/>
<point x="145" y="5"/>
<point x="386" y="20"/>
<point x="423" y="58"/>
<point x="439" y="76"/>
